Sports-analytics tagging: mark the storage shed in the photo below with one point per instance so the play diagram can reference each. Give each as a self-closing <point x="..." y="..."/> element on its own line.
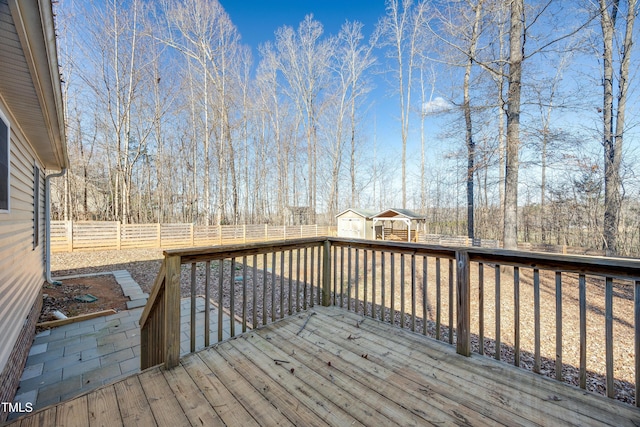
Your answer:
<point x="356" y="224"/>
<point x="398" y="224"/>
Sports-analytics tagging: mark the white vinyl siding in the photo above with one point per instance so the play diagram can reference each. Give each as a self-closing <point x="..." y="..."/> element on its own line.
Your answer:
<point x="21" y="267"/>
<point x="5" y="161"/>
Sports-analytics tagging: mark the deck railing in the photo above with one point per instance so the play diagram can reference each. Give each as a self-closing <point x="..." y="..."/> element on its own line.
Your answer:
<point x="550" y="313"/>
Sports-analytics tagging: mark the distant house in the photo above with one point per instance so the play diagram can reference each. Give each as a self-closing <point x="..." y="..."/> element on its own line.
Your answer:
<point x="32" y="145"/>
<point x="355" y="224"/>
<point x="398" y="224"/>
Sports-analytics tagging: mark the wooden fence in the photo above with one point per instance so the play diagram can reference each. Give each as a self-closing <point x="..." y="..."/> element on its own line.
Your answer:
<point x="443" y="240"/>
<point x="71" y="236"/>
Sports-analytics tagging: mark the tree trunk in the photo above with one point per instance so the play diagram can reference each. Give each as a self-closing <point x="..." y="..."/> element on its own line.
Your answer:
<point x="613" y="135"/>
<point x="510" y="231"/>
<point x="471" y="145"/>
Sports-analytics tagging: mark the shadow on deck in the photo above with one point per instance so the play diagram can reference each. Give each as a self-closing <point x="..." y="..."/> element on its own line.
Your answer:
<point x="329" y="366"/>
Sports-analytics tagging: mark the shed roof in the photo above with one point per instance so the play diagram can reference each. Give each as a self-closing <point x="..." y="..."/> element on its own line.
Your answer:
<point x="399" y="213"/>
<point x="365" y="213"/>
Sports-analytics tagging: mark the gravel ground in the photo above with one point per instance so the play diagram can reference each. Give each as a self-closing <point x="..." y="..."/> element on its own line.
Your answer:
<point x="144" y="265"/>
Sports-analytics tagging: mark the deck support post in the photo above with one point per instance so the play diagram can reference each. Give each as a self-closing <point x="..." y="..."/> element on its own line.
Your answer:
<point x="172" y="311"/>
<point x="326" y="273"/>
<point x="463" y="293"/>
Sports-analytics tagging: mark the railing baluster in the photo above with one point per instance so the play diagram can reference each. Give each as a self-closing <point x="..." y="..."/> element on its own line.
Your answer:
<point x="298" y="280"/>
<point x="498" y="350"/>
<point x="481" y="308"/>
<point x="274" y="265"/>
<point x="438" y="298"/>
<point x="516" y="315"/>
<point x="383" y="308"/>
<point x="536" y="320"/>
<point x="281" y="284"/>
<point x="304" y="282"/>
<point x="264" y="289"/>
<point x="636" y="330"/>
<point x="392" y="311"/>
<point x="341" y="276"/>
<point x="402" y="296"/>
<point x="232" y="298"/>
<point x="244" y="294"/>
<point x="357" y="272"/>
<point x="220" y="296"/>
<point x="582" y="284"/>
<point x="608" y="310"/>
<point x="319" y="272"/>
<point x="373" y="284"/>
<point x="424" y="295"/>
<point x="349" y="278"/>
<point x="290" y="301"/>
<point x="193" y="308"/>
<point x="365" y="299"/>
<point x="451" y="302"/>
<point x="558" y="325"/>
<point x="207" y="303"/>
<point x="335" y="275"/>
<point x="413" y="292"/>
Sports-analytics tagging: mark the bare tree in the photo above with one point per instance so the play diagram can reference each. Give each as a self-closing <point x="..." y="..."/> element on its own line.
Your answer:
<point x="400" y="31"/>
<point x="202" y="31"/>
<point x="516" y="56"/>
<point x="614" y="112"/>
<point x="304" y="60"/>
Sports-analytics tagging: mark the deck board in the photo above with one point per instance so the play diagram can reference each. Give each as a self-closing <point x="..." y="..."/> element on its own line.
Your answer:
<point x="380" y="372"/>
<point x="406" y="368"/>
<point x="162" y="400"/>
<point x="506" y="381"/>
<point x="73" y="413"/>
<point x="250" y="398"/>
<point x="346" y="371"/>
<point x="227" y="407"/>
<point x="101" y="405"/>
<point x="133" y="404"/>
<point x="195" y="405"/>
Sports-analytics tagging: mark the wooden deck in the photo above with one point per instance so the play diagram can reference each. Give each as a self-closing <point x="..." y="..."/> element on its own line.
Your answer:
<point x="338" y="370"/>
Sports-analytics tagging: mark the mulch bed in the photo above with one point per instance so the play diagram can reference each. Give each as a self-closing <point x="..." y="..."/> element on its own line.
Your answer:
<point x="62" y="297"/>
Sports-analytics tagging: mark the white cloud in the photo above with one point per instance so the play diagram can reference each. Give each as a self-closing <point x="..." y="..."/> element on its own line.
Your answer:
<point x="437" y="105"/>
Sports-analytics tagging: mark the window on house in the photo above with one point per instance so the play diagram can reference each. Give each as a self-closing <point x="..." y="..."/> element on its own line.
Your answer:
<point x="36" y="206"/>
<point x="4" y="164"/>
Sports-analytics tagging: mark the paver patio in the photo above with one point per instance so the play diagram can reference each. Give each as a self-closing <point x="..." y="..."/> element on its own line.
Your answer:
<point x="72" y="359"/>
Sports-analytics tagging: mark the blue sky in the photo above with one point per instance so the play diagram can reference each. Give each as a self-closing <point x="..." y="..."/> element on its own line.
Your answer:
<point x="257" y="20"/>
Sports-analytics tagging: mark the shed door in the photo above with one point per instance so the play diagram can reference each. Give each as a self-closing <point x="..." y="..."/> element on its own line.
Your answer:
<point x="350" y="227"/>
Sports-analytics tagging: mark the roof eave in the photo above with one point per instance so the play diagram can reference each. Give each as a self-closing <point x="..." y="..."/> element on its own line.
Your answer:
<point x="35" y="26"/>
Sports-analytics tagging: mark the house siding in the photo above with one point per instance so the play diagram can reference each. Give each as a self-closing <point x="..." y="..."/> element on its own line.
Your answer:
<point x="22" y="267"/>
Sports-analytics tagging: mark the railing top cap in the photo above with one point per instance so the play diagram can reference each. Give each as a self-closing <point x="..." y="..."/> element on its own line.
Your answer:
<point x="583" y="264"/>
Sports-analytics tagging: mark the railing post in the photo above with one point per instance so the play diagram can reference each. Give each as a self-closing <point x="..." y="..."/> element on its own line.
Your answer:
<point x="172" y="312"/>
<point x="463" y="342"/>
<point x="326" y="274"/>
